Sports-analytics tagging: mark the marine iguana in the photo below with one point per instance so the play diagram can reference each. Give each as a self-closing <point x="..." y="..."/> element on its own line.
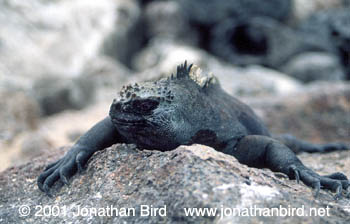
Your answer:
<point x="189" y="108"/>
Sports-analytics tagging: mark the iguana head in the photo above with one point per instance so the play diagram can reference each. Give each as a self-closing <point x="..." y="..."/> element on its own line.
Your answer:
<point x="160" y="114"/>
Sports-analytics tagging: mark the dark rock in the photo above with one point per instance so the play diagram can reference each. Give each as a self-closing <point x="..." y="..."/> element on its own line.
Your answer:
<point x="326" y="25"/>
<point x="312" y="66"/>
<point x="330" y="30"/>
<point x="257" y="41"/>
<point x="204" y="16"/>
<point x="56" y="94"/>
<point x="207" y="12"/>
<point x="145" y="2"/>
<point x="128" y="35"/>
<point x="188" y="177"/>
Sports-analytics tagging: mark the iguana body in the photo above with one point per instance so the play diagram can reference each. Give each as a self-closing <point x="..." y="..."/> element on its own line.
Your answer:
<point x="192" y="108"/>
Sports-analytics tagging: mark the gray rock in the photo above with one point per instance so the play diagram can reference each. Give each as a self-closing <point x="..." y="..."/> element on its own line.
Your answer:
<point x="259" y="40"/>
<point x="161" y="57"/>
<point x="40" y="38"/>
<point x="106" y="75"/>
<point x="128" y="32"/>
<point x="312" y="66"/>
<point x="206" y="12"/>
<point x="304" y="8"/>
<point x="56" y="94"/>
<point x="188" y="177"/>
<point x="165" y="19"/>
<point x="330" y="30"/>
<point x="19" y="113"/>
<point x="256" y="81"/>
<point x="319" y="113"/>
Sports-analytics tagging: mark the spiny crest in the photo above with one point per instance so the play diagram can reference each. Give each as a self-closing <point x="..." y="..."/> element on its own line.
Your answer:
<point x="183" y="71"/>
<point x="195" y="73"/>
<point x="203" y="80"/>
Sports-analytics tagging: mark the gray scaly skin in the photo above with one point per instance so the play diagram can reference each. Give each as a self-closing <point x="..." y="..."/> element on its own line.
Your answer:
<point x="192" y="108"/>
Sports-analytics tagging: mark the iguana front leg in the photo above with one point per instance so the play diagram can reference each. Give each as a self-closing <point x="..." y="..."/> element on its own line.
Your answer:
<point x="100" y="136"/>
<point x="261" y="151"/>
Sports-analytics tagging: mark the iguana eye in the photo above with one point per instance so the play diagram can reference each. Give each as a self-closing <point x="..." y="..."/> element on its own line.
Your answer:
<point x="146" y="105"/>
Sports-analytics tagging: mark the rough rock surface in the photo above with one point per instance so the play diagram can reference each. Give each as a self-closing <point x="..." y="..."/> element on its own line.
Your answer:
<point x="320" y="113"/>
<point x="188" y="177"/>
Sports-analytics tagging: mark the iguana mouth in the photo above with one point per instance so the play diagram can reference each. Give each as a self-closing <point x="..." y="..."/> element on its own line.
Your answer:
<point x="121" y="121"/>
<point x="126" y="119"/>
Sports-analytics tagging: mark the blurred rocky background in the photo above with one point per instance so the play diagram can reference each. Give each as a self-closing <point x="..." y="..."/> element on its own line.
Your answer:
<point x="63" y="61"/>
